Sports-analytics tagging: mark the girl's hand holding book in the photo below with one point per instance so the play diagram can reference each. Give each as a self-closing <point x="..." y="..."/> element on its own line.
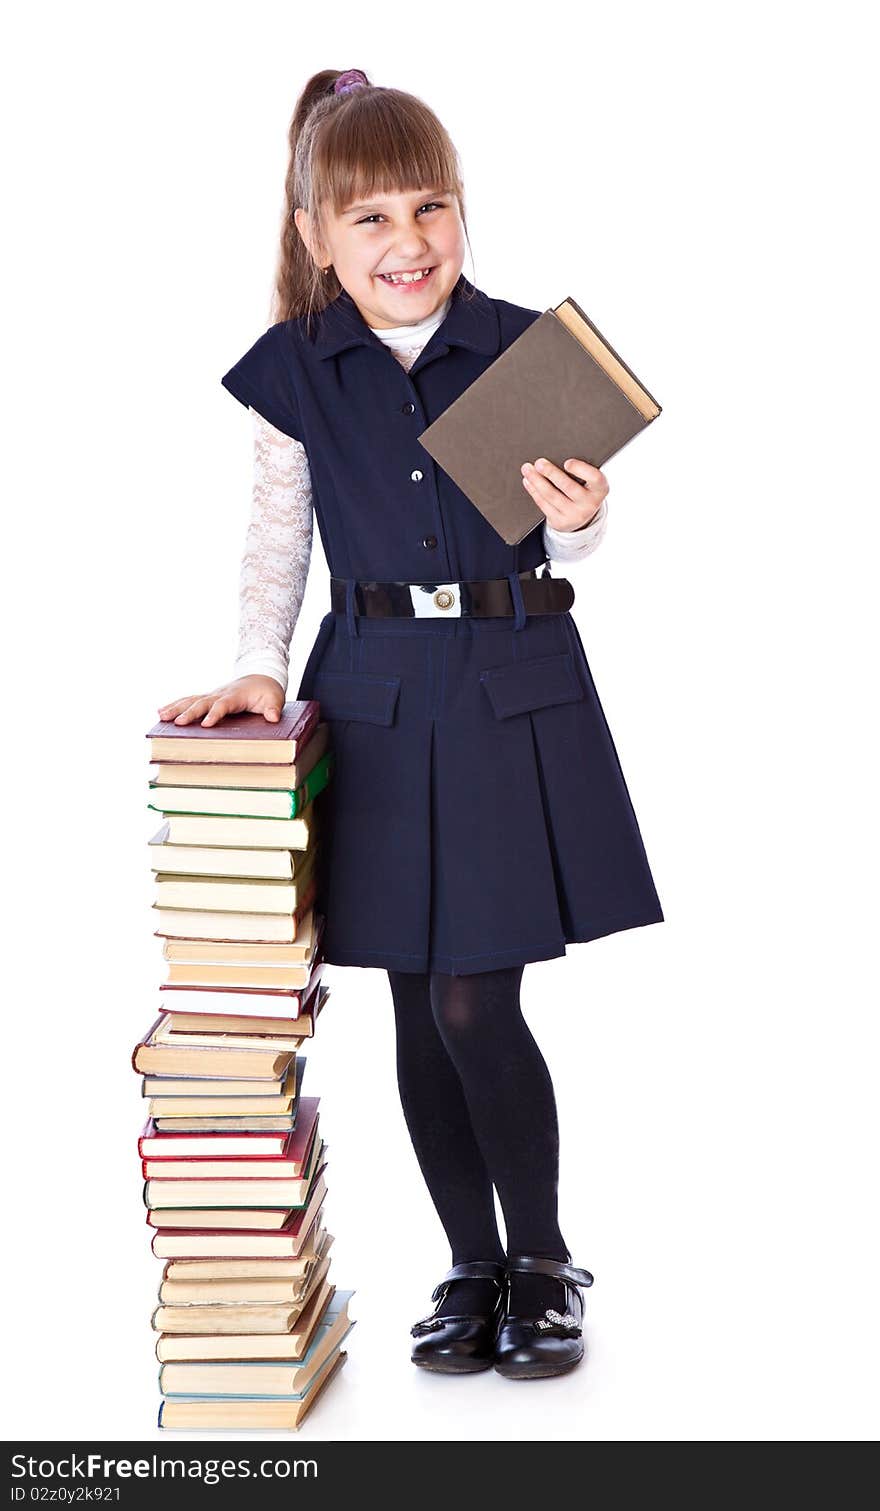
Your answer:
<point x="568" y="502"/>
<point x="254" y="694"/>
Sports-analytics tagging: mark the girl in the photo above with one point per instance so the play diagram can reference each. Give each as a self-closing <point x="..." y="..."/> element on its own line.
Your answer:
<point x="478" y="818"/>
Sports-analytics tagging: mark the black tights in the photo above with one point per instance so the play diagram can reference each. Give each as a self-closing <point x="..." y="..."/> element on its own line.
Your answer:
<point x="479" y="1106"/>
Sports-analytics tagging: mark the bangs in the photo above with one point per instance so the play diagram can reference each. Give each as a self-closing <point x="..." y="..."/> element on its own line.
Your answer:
<point x="385" y="142"/>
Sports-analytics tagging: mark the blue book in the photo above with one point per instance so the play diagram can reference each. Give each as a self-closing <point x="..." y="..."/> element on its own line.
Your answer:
<point x="228" y="1377"/>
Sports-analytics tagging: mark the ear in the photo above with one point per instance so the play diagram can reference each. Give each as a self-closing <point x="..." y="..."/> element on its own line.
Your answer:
<point x="303" y="225"/>
<point x="301" y="221"/>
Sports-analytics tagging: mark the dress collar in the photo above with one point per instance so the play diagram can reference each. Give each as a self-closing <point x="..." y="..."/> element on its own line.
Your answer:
<point x="418" y="331"/>
<point x="471" y="322"/>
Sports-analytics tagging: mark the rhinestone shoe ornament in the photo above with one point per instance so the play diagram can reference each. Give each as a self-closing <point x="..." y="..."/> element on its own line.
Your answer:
<point x="560" y="1324"/>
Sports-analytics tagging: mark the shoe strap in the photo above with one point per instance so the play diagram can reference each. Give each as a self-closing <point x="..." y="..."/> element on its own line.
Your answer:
<point x="536" y="1264"/>
<point x="471" y="1269"/>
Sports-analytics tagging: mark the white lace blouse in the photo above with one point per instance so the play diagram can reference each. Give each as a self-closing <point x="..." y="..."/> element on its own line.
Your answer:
<point x="278" y="544"/>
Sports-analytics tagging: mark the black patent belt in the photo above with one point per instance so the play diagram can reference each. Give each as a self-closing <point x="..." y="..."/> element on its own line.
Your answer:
<point x="493" y="597"/>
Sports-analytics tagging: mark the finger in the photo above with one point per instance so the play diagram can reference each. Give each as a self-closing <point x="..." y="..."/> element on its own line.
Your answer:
<point x="168" y="710"/>
<point x="540" y="491"/>
<point x="193" y="710"/>
<point x="571" y="515"/>
<point x="594" y="477"/>
<point x="572" y="487"/>
<point x="271" y="710"/>
<point x="220" y="707"/>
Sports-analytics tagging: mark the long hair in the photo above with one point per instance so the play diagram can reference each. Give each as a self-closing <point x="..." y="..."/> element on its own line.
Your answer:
<point x="345" y="147"/>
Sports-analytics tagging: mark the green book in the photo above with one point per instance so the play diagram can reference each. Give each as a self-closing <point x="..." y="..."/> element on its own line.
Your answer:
<point x="245" y="802"/>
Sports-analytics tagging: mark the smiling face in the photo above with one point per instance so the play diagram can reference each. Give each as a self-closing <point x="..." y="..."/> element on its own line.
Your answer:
<point x="400" y="234"/>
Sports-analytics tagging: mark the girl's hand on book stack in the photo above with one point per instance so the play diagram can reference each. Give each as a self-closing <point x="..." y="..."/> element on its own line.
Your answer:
<point x="567" y="503"/>
<point x="255" y="694"/>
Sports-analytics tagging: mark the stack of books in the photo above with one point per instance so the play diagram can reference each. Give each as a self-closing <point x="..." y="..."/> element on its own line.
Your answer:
<point x="250" y="1326"/>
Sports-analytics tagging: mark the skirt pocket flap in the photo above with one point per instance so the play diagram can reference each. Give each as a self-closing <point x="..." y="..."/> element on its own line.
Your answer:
<point x="537" y="683"/>
<point x="357" y="695"/>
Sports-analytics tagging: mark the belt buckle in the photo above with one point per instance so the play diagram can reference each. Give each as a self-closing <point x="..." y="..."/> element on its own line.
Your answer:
<point x="440" y="600"/>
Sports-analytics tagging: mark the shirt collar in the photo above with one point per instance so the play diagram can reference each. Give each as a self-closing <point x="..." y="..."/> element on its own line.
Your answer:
<point x="471" y="321"/>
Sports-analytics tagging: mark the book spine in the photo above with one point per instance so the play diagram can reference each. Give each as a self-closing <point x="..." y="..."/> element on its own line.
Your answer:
<point x="145" y="1041"/>
<point x="308" y="898"/>
<point x="314" y="783"/>
<point x="607" y="344"/>
<point x="307" y="728"/>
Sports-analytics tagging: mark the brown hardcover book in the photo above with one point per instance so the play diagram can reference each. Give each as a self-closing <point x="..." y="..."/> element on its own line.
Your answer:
<point x="217" y="860"/>
<point x="237" y="1317"/>
<point x="231" y="1316"/>
<point x="238" y="738"/>
<point x="202" y="1031"/>
<point x="290" y="1345"/>
<point x="233" y="975"/>
<point x="263" y="777"/>
<point x="559" y="390"/>
<point x="293" y="1267"/>
<point x="260" y="1379"/>
<point x="269" y="1283"/>
<point x="272" y="833"/>
<point x="233" y="894"/>
<point x="194" y="1098"/>
<point x="201" y="952"/>
<point x="203" y="1056"/>
<point x="267" y="1000"/>
<point x="227" y="928"/>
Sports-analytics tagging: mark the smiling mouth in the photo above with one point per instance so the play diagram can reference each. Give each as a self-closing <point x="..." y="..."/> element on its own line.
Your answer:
<point x="415" y="279"/>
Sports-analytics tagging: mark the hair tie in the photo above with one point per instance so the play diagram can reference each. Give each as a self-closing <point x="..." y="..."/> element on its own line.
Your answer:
<point x="352" y="78"/>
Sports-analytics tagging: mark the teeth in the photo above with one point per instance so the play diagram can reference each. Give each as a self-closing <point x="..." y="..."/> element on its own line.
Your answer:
<point x="406" y="277"/>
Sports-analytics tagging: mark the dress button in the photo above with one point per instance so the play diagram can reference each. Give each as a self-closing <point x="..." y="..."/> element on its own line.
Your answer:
<point x="409" y="408"/>
<point x="417" y="476"/>
<point x="430" y="541"/>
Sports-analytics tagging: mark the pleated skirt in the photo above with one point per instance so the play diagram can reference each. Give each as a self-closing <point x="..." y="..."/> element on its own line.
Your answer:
<point x="478" y="815"/>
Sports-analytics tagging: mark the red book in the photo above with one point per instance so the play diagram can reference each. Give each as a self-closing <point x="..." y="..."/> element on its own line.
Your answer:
<point x="244" y="738"/>
<point x="285" y="1156"/>
<point x="238" y="1243"/>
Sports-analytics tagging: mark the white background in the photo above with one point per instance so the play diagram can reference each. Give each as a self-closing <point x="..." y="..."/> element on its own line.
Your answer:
<point x="700" y="180"/>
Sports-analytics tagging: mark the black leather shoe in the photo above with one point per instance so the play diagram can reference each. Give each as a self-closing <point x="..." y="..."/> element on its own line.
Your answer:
<point x="462" y="1344"/>
<point x="528" y="1348"/>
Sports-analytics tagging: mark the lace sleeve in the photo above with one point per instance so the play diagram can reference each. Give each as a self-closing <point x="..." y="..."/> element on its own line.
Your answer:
<point x="277" y="551"/>
<point x="573" y="545"/>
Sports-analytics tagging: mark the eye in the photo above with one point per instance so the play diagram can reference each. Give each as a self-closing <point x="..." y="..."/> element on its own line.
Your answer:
<point x="432" y="204"/>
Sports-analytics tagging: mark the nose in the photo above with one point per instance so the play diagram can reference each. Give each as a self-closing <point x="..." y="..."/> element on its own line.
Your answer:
<point x="412" y="248"/>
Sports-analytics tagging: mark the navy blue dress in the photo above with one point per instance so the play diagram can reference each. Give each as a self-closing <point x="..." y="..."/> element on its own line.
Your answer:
<point x="478" y="816"/>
